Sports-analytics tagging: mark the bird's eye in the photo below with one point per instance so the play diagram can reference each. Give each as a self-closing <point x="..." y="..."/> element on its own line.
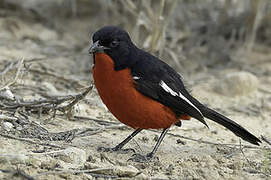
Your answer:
<point x="114" y="43"/>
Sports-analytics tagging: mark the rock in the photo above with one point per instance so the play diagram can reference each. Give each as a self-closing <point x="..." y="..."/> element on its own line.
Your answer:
<point x="141" y="177"/>
<point x="237" y="84"/>
<point x="6" y="93"/>
<point x="49" y="163"/>
<point x="126" y="171"/>
<point x="75" y="156"/>
<point x="7" y="126"/>
<point x="13" y="158"/>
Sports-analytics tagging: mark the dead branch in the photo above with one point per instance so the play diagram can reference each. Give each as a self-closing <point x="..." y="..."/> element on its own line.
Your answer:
<point x="30" y="141"/>
<point x="52" y="103"/>
<point x="76" y="99"/>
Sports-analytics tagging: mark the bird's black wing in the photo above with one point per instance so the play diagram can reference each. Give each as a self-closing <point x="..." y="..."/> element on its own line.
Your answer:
<point x="157" y="80"/>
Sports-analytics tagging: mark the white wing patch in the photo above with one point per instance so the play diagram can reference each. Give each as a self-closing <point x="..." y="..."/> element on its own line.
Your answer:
<point x="173" y="93"/>
<point x="167" y="89"/>
<point x="136" y="77"/>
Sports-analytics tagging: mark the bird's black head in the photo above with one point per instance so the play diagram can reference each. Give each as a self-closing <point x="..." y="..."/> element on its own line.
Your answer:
<point x="116" y="43"/>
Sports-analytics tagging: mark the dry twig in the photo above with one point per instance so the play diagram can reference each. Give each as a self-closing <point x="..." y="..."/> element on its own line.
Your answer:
<point x="30" y="141"/>
<point x="52" y="103"/>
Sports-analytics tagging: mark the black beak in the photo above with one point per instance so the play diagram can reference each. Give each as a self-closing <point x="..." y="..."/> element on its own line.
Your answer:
<point x="96" y="47"/>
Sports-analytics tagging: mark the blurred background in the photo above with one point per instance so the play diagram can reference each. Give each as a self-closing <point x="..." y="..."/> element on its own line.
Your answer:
<point x="214" y="33"/>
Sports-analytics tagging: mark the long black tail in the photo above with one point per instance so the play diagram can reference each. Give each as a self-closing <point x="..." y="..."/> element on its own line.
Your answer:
<point x="229" y="124"/>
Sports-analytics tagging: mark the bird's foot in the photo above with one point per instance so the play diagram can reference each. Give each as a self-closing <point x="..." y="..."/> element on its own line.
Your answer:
<point x="143" y="158"/>
<point x="115" y="149"/>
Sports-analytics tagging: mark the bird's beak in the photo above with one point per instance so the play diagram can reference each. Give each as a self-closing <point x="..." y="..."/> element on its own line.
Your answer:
<point x="96" y="47"/>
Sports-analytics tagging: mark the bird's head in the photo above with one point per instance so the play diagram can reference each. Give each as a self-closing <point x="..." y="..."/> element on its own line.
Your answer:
<point x="116" y="43"/>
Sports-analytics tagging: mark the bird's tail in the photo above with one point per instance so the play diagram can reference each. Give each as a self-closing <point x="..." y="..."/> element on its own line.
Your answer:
<point x="229" y="124"/>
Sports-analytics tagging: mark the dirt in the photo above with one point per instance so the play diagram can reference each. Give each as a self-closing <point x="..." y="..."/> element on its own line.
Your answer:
<point x="48" y="145"/>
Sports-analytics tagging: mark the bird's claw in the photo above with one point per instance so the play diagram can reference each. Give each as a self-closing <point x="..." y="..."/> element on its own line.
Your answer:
<point x="123" y="151"/>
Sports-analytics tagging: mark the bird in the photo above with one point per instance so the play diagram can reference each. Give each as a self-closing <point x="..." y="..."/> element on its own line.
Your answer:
<point x="144" y="92"/>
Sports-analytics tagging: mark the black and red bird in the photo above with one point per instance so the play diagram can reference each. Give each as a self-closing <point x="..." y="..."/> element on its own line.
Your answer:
<point x="143" y="92"/>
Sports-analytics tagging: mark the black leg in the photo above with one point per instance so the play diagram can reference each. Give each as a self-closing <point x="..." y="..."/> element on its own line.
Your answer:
<point x="142" y="158"/>
<point x="163" y="134"/>
<point x="125" y="141"/>
<point x="120" y="145"/>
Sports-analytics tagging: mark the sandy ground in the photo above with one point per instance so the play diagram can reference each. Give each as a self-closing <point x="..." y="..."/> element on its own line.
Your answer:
<point x="37" y="148"/>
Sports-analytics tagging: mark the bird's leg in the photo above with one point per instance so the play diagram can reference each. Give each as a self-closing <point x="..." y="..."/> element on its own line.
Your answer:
<point x="120" y="145"/>
<point x="142" y="158"/>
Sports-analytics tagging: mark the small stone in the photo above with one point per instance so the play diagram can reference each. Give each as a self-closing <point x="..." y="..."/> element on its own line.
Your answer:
<point x="125" y="171"/>
<point x="237" y="83"/>
<point x="6" y="92"/>
<point x="214" y="132"/>
<point x="7" y="126"/>
<point x="179" y="141"/>
<point x="49" y="163"/>
<point x="73" y="156"/>
<point x="141" y="176"/>
<point x="234" y="166"/>
<point x="91" y="159"/>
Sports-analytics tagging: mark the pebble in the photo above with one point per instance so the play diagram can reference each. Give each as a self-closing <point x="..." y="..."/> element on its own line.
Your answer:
<point x="6" y="92"/>
<point x="7" y="126"/>
<point x="73" y="156"/>
<point x="48" y="163"/>
<point x="237" y="84"/>
<point x="126" y="171"/>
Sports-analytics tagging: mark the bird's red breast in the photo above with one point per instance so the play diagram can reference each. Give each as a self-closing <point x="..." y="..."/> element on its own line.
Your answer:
<point x="116" y="89"/>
